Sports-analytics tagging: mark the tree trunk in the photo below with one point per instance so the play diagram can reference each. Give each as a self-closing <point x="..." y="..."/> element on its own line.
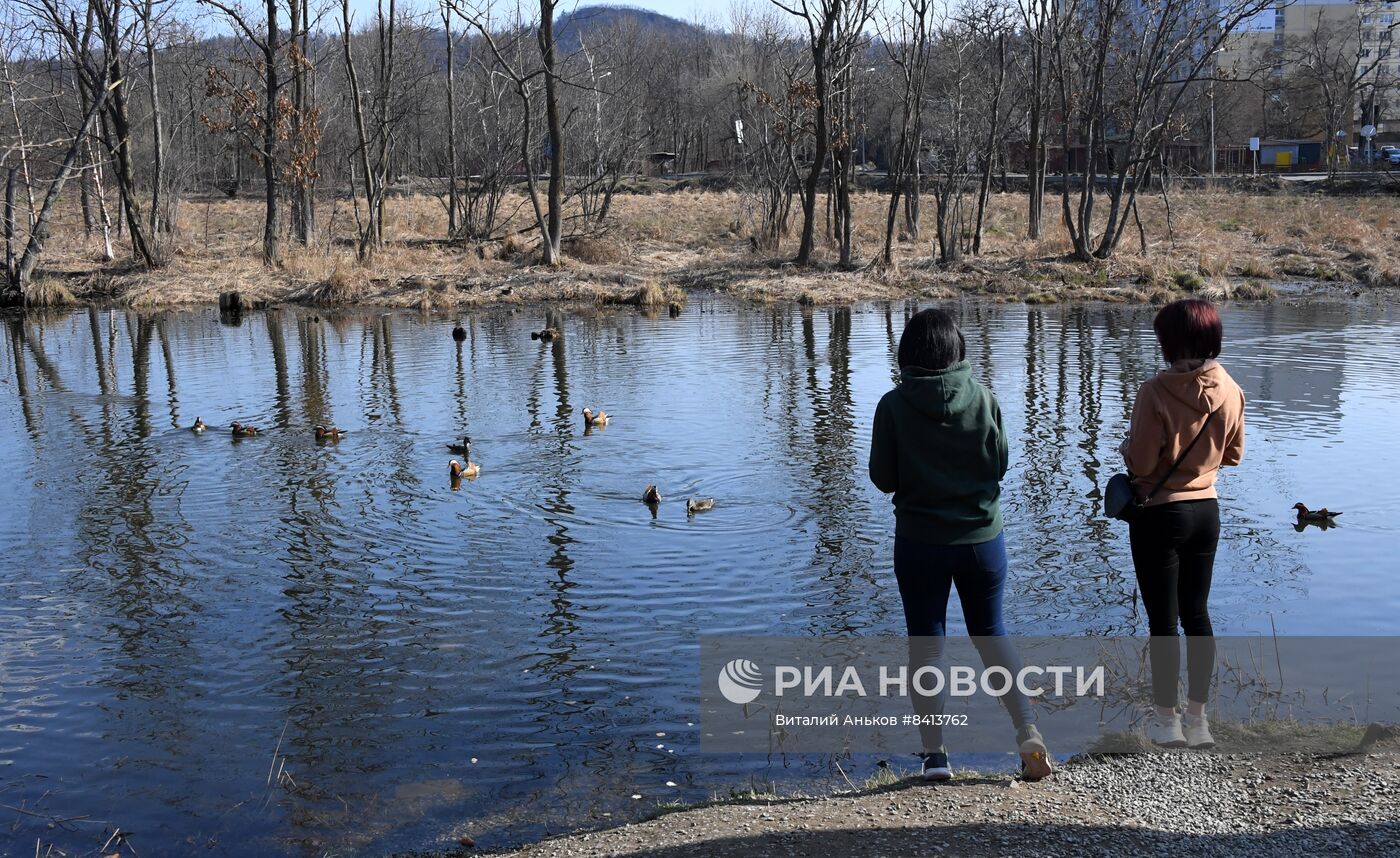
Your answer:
<point x="989" y="154"/>
<point x="157" y="220"/>
<point x="85" y="196"/>
<point x="10" y="271"/>
<point x="272" y="221"/>
<point x="369" y="240"/>
<point x="819" y="143"/>
<point x="453" y="227"/>
<point x="104" y="216"/>
<point x="555" y="125"/>
<point x="304" y="172"/>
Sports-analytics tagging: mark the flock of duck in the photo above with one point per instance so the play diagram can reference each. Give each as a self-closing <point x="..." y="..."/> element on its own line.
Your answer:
<point x="240" y="430"/>
<point x="455" y="469"/>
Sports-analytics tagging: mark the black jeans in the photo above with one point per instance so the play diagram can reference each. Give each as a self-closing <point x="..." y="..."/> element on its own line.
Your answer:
<point x="1174" y="555"/>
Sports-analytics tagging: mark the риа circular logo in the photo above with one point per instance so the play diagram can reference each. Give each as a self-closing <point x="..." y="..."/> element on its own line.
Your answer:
<point x="740" y="681"/>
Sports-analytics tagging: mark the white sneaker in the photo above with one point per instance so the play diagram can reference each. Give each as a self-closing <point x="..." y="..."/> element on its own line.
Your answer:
<point x="1166" y="732"/>
<point x="1196" y="729"/>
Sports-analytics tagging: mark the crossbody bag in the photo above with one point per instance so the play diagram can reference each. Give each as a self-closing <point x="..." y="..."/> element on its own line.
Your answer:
<point x="1119" y="499"/>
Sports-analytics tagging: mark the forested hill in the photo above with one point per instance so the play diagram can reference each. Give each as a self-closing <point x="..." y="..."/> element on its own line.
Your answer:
<point x="580" y="24"/>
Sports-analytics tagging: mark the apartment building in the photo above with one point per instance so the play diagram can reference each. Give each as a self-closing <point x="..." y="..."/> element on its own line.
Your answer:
<point x="1310" y="68"/>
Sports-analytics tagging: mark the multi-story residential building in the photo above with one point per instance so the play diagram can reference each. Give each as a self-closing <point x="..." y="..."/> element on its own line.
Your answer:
<point x="1311" y="68"/>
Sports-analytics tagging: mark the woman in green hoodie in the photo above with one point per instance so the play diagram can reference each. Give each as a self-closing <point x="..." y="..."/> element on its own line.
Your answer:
<point x="939" y="446"/>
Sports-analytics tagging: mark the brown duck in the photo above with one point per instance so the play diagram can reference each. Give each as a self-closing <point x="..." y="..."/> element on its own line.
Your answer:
<point x="241" y="431"/>
<point x="1323" y="515"/>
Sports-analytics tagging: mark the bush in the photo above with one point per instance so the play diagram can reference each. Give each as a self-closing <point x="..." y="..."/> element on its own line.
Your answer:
<point x="47" y="292"/>
<point x="596" y="251"/>
<point x="341" y="287"/>
<point x="1189" y="281"/>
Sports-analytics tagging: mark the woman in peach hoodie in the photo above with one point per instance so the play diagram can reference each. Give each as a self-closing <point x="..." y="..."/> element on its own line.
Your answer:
<point x="1174" y="535"/>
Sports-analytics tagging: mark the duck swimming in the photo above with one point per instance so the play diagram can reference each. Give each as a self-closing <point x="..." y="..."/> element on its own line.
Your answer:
<point x="1324" y="515"/>
<point x="695" y="505"/>
<point x="459" y="333"/>
<point x="333" y="433"/>
<point x="601" y="418"/>
<point x="546" y="334"/>
<point x="458" y="470"/>
<point x="651" y="495"/>
<point x="241" y="431"/>
<point x="198" y="427"/>
<point x="464" y="448"/>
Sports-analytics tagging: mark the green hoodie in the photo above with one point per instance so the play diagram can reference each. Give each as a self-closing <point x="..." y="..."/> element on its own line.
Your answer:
<point x="938" y="445"/>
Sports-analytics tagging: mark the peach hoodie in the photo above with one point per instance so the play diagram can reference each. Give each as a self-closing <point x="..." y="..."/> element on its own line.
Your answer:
<point x="1171" y="408"/>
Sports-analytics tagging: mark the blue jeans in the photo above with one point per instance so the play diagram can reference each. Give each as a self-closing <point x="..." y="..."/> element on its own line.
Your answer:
<point x="926" y="575"/>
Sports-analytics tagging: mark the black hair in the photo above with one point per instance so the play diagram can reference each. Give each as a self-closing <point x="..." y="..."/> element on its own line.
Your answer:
<point x="931" y="340"/>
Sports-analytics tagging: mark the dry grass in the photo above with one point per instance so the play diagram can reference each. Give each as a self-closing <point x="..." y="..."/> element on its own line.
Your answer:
<point x="48" y="292"/>
<point x="595" y="251"/>
<point x="691" y="239"/>
<point x="652" y="294"/>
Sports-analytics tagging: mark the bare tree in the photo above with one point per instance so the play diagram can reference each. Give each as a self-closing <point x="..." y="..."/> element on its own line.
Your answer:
<point x="1122" y="70"/>
<point x="98" y="45"/>
<point x="820" y="18"/>
<point x="21" y="270"/>
<point x="527" y="77"/>
<point x="907" y="43"/>
<point x="1333" y="69"/>
<point x="267" y="39"/>
<point x="990" y="24"/>
<point x="305" y="124"/>
<point x="373" y="140"/>
<point x="1038" y="21"/>
<point x="450" y="87"/>
<point x="955" y="95"/>
<point x="147" y="12"/>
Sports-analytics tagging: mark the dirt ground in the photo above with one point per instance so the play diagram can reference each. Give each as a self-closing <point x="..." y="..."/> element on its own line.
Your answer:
<point x="664" y="243"/>
<point x="1178" y="804"/>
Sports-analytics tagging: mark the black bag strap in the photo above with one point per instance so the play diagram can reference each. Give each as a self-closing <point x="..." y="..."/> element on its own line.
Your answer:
<point x="1179" y="459"/>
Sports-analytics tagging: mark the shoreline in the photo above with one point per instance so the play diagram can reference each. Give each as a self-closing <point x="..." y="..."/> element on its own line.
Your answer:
<point x="1180" y="803"/>
<point x="663" y="244"/>
<point x="444" y="295"/>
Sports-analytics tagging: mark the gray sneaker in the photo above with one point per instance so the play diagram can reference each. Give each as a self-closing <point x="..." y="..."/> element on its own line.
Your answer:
<point x="1196" y="730"/>
<point x="1035" y="756"/>
<point x="1166" y="732"/>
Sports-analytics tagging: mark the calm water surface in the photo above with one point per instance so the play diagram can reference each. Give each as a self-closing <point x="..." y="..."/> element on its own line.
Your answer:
<point x="178" y="613"/>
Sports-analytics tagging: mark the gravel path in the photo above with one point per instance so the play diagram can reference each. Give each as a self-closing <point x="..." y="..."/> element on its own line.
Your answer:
<point x="1178" y="804"/>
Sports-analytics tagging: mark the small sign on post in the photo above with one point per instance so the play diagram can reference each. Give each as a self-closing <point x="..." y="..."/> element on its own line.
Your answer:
<point x="1254" y="150"/>
<point x="1368" y="131"/>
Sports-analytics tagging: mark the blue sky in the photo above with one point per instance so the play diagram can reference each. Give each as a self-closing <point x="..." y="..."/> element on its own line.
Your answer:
<point x="684" y="9"/>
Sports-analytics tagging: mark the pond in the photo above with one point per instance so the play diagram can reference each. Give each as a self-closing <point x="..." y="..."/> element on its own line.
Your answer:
<point x="274" y="645"/>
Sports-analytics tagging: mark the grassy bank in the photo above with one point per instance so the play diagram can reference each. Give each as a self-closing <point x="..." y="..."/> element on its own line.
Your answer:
<point x="663" y="243"/>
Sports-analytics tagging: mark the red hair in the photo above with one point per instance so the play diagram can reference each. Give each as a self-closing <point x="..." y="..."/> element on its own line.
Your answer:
<point x="1188" y="329"/>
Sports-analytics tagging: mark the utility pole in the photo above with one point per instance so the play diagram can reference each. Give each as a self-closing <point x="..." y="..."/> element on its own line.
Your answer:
<point x="1212" y="128"/>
